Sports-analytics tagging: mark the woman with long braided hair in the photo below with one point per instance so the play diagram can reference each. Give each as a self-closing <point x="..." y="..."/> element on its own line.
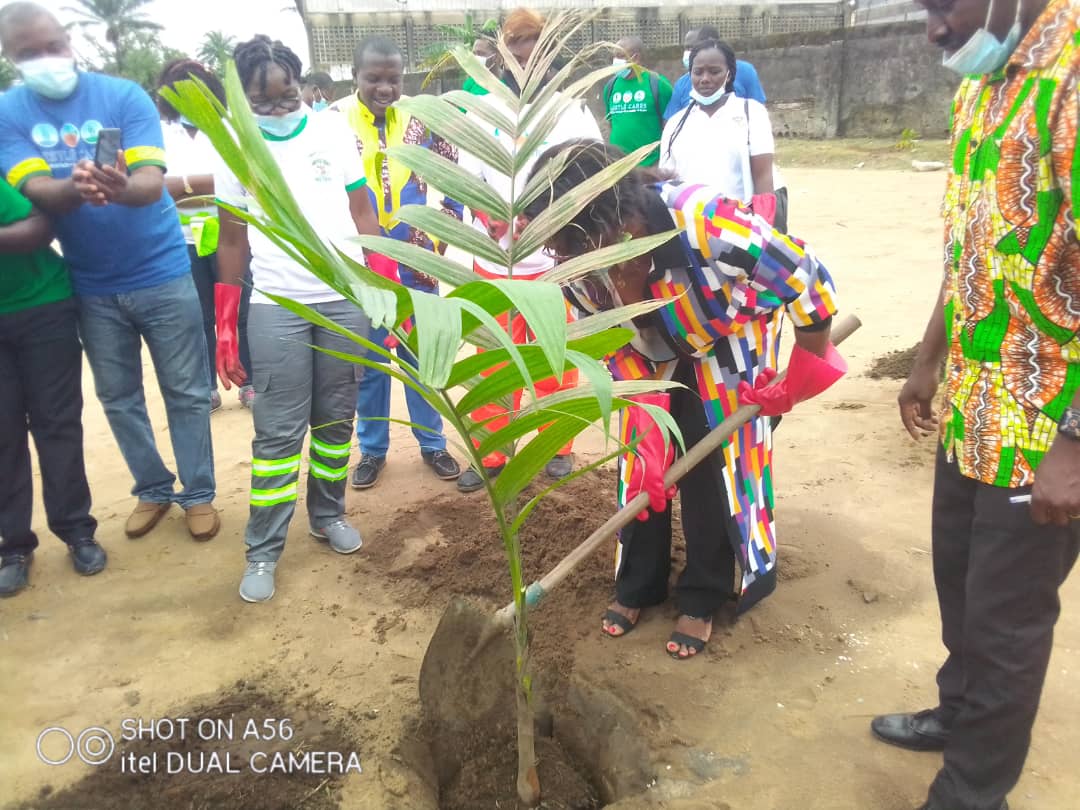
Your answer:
<point x="296" y="386"/>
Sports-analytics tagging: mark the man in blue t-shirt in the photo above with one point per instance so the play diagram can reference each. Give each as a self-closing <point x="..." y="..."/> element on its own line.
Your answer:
<point x="125" y="251"/>
<point x="747" y="84"/>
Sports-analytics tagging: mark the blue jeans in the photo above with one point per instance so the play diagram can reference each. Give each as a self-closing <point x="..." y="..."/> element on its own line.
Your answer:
<point x="168" y="317"/>
<point x="373" y="400"/>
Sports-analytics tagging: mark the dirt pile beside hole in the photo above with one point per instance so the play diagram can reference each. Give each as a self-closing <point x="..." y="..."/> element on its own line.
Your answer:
<point x="254" y="780"/>
<point x="894" y="365"/>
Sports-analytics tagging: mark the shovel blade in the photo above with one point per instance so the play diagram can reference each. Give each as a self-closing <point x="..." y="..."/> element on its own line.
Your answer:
<point x="463" y="686"/>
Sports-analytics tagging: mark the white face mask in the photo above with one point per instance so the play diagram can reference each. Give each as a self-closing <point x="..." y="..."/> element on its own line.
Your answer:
<point x="282" y="126"/>
<point x="709" y="100"/>
<point x="984" y="53"/>
<point x="618" y="61"/>
<point x="54" y="77"/>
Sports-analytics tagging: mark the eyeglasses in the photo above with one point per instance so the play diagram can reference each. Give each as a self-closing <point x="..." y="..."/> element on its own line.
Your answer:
<point x="285" y="104"/>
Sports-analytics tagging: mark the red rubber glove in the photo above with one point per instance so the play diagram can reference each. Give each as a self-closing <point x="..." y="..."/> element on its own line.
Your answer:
<point x="495" y="228"/>
<point x="764" y="205"/>
<point x="653" y="458"/>
<point x="227" y="311"/>
<point x="391" y="341"/>
<point x="807" y="376"/>
<point x="384" y="266"/>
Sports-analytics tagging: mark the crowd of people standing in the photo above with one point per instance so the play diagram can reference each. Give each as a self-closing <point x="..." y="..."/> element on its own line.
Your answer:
<point x="146" y="260"/>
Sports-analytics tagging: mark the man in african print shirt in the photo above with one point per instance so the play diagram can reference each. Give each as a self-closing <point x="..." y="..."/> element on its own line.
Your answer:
<point x="1008" y="324"/>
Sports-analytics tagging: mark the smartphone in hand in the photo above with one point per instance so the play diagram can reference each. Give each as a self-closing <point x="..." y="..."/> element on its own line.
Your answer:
<point x="108" y="145"/>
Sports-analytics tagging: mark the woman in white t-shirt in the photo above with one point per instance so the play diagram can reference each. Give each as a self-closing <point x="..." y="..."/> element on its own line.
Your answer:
<point x="724" y="141"/>
<point x="296" y="386"/>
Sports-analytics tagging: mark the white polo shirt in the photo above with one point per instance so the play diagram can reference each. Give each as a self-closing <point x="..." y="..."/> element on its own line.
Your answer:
<point x="321" y="165"/>
<point x="189" y="157"/>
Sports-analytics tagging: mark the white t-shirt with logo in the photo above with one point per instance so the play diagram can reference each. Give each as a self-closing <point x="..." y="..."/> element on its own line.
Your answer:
<point x="321" y="165"/>
<point x="576" y="122"/>
<point x="716" y="150"/>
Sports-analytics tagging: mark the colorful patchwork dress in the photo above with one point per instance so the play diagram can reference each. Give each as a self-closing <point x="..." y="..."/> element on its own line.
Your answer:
<point x="729" y="278"/>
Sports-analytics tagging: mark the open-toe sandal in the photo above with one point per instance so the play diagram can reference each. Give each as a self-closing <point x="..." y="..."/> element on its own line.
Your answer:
<point x="683" y="640"/>
<point x="613" y="617"/>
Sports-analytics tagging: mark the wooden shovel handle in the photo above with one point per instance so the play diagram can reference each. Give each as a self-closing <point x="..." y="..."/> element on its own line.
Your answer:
<point x="625" y="516"/>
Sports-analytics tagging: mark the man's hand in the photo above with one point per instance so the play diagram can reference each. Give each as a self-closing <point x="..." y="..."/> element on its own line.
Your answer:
<point x="1055" y="498"/>
<point x="83" y="180"/>
<point x="109" y="184"/>
<point x="916" y="400"/>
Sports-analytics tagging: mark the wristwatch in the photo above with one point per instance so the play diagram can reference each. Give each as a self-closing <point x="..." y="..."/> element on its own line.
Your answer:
<point x="1070" y="424"/>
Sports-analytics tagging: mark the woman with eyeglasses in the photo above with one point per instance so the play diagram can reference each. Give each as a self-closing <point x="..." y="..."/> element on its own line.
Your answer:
<point x="295" y="385"/>
<point x="729" y="279"/>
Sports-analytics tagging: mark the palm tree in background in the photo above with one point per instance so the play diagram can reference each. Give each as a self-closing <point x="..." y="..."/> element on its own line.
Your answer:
<point x="122" y="20"/>
<point x="215" y="50"/>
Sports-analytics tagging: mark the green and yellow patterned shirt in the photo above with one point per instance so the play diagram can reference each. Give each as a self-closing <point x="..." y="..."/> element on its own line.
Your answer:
<point x="1012" y="261"/>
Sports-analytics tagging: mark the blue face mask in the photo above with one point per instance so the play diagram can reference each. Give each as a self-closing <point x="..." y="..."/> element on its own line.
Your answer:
<point x="321" y="105"/>
<point x="53" y="77"/>
<point x="983" y="53"/>
<point x="709" y="100"/>
<point x="282" y="126"/>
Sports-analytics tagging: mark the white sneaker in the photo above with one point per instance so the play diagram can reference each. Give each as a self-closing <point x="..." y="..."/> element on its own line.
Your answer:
<point x="258" y="582"/>
<point x="343" y="538"/>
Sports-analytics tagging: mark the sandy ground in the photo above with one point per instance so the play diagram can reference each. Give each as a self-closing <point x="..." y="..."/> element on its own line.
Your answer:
<point x="774" y="717"/>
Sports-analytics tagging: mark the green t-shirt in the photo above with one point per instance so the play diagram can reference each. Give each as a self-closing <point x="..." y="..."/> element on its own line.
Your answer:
<point x="472" y="86"/>
<point x="28" y="279"/>
<point x="636" y="116"/>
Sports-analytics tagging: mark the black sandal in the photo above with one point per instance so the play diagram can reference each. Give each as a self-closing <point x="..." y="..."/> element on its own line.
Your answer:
<point x="613" y="617"/>
<point x="683" y="640"/>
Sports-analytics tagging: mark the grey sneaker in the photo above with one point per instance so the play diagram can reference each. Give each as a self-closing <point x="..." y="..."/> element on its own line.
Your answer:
<point x="471" y="480"/>
<point x="258" y="582"/>
<point x="560" y="466"/>
<point x="215" y="400"/>
<point x="343" y="538"/>
<point x="247" y="396"/>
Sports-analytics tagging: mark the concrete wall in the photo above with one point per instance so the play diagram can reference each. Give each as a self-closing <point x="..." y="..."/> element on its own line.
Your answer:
<point x="872" y="81"/>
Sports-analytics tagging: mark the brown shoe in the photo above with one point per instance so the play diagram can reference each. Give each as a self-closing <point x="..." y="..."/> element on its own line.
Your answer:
<point x="203" y="521"/>
<point x="146" y="516"/>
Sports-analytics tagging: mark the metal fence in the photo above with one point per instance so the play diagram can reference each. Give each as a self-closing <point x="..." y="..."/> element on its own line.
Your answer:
<point x="335" y="34"/>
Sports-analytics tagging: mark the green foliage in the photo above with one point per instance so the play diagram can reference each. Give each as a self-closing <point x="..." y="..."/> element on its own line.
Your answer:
<point x="215" y="51"/>
<point x="456" y="383"/>
<point x="438" y="55"/>
<point x="907" y="140"/>
<point x="125" y="27"/>
<point x="8" y="74"/>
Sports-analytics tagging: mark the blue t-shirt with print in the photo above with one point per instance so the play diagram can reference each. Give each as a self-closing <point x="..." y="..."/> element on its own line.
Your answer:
<point x="112" y="248"/>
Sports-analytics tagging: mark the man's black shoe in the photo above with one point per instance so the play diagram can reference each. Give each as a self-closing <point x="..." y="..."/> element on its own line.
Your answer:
<point x="14" y="573"/>
<point x="442" y="463"/>
<point x="367" y="471"/>
<point x="932" y="806"/>
<point x="87" y="557"/>
<point x="921" y="731"/>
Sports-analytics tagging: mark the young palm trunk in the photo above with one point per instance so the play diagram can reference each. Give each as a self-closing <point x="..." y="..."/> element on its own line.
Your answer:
<point x="528" y="781"/>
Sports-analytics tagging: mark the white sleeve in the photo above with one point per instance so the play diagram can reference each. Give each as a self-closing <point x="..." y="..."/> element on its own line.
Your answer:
<point x="348" y="154"/>
<point x="761" y="136"/>
<point x="227" y="189"/>
<point x="590" y="128"/>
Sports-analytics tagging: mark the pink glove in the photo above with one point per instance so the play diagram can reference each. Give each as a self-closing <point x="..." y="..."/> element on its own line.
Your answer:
<point x="807" y="376"/>
<point x="653" y="459"/>
<point x="384" y="266"/>
<point x="764" y="205"/>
